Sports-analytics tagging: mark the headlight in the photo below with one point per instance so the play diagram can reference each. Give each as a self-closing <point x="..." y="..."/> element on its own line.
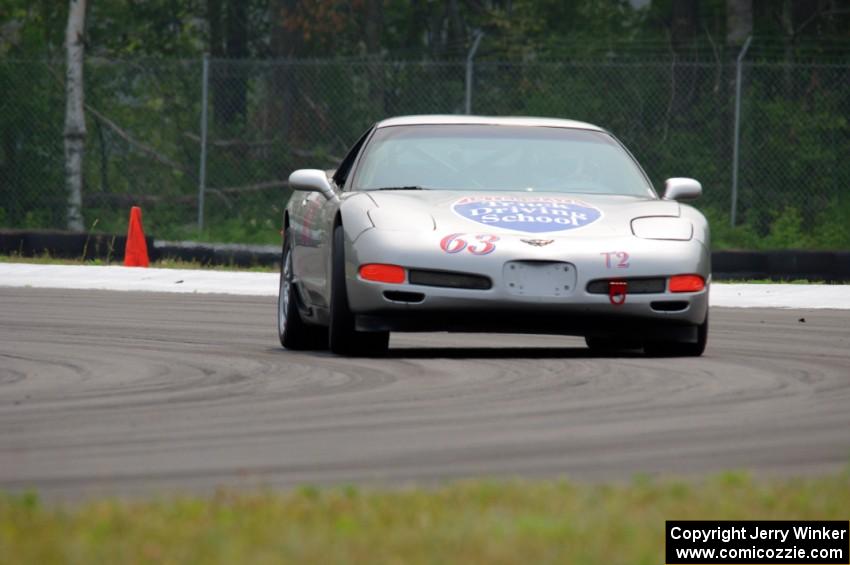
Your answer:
<point x="659" y="227"/>
<point x="398" y="219"/>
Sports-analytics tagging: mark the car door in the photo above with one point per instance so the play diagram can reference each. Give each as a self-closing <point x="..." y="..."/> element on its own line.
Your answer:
<point x="306" y="228"/>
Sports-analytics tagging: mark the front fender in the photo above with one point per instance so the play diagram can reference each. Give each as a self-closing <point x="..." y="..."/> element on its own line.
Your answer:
<point x="354" y="213"/>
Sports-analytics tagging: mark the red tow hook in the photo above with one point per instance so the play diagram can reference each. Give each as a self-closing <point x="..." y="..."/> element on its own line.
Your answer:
<point x="617" y="292"/>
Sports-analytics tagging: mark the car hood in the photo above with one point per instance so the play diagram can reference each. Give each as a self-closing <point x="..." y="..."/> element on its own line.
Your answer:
<point x="518" y="213"/>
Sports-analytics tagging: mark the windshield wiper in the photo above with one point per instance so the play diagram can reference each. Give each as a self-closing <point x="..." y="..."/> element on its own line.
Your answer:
<point x="399" y="188"/>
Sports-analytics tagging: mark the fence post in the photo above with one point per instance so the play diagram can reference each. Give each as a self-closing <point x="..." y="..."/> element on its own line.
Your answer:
<point x="202" y="173"/>
<point x="736" y="140"/>
<point x="469" y="59"/>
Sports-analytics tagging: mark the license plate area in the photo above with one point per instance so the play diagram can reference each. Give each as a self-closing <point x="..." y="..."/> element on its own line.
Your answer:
<point x="540" y="278"/>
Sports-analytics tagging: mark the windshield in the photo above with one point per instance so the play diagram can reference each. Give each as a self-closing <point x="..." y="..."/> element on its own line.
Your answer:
<point x="498" y="158"/>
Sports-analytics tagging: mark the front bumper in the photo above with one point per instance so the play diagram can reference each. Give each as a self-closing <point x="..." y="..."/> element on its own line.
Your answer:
<point x="498" y="309"/>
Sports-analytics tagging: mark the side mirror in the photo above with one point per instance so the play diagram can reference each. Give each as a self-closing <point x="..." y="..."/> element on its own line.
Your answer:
<point x="311" y="180"/>
<point x="679" y="188"/>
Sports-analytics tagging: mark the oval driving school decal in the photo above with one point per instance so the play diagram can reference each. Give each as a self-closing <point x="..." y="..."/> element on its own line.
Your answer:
<point x="533" y="214"/>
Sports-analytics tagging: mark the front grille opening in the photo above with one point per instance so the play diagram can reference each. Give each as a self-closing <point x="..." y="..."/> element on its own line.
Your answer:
<point x="403" y="296"/>
<point x="668" y="305"/>
<point x="636" y="285"/>
<point x="448" y="279"/>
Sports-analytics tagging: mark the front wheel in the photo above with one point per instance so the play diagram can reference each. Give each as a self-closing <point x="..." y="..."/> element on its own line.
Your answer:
<point x="679" y="349"/>
<point x="343" y="338"/>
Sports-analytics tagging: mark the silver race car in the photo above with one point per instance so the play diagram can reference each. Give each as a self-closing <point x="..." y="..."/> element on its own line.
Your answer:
<point x="479" y="224"/>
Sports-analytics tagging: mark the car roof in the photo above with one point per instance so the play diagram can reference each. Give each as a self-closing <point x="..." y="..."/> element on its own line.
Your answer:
<point x="443" y="119"/>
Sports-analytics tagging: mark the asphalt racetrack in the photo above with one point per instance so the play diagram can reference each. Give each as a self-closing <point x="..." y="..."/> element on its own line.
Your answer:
<point x="126" y="393"/>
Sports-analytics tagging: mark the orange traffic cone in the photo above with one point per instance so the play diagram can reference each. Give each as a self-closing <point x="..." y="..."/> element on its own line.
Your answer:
<point x="136" y="251"/>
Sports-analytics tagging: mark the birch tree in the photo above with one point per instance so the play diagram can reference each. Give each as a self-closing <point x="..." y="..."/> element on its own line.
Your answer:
<point x="75" y="120"/>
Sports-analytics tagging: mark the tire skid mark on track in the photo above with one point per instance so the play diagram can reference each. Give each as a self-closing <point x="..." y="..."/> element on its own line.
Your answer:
<point x="124" y="392"/>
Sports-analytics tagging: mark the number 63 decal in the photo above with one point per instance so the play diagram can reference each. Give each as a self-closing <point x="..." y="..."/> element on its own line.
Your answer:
<point x="482" y="244"/>
<point x="618" y="259"/>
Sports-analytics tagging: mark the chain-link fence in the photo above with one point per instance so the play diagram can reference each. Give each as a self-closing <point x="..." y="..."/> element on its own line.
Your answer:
<point x="146" y="144"/>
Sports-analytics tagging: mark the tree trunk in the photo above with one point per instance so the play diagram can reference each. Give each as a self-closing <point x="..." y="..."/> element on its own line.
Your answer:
<point x="374" y="30"/>
<point x="685" y="23"/>
<point x="232" y="97"/>
<point x="75" y="120"/>
<point x="285" y="45"/>
<point x="228" y="24"/>
<point x="684" y="26"/>
<point x="455" y="33"/>
<point x="417" y="24"/>
<point x="214" y="19"/>
<point x="739" y="26"/>
<point x="739" y="21"/>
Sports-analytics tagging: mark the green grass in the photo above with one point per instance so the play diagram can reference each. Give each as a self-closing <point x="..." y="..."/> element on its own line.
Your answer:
<point x="468" y="522"/>
<point x="47" y="259"/>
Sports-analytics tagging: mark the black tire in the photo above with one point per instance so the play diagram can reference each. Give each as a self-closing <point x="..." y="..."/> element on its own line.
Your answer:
<point x="343" y="338"/>
<point x="610" y="345"/>
<point x="679" y="349"/>
<point x="292" y="331"/>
